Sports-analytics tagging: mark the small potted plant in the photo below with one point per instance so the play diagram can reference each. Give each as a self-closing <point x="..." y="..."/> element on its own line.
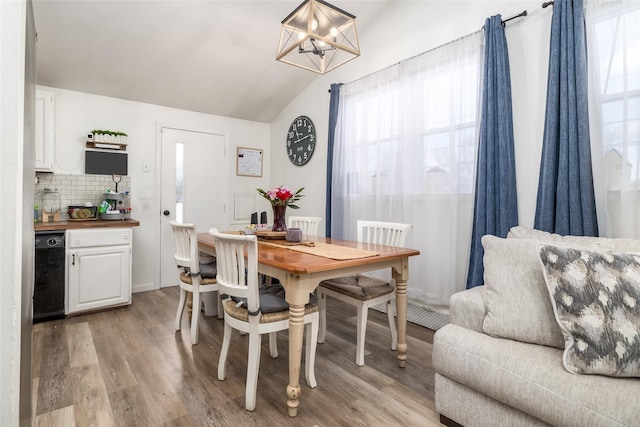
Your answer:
<point x="98" y="135"/>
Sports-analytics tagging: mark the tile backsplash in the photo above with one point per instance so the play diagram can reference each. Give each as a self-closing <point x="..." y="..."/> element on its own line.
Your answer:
<point x="75" y="190"/>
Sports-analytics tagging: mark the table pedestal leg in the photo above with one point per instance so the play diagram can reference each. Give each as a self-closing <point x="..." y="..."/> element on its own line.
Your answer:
<point x="401" y="310"/>
<point x="296" y="332"/>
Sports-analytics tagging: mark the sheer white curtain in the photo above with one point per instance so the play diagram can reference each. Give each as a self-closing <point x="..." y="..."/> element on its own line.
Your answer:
<point x="405" y="152"/>
<point x="613" y="38"/>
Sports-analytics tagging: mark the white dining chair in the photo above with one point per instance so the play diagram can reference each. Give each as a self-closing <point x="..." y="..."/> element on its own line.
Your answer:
<point x="308" y="225"/>
<point x="254" y="310"/>
<point x="194" y="277"/>
<point x="363" y="291"/>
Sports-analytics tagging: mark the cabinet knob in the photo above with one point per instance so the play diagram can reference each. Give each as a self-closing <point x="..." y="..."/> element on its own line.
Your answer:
<point x="166" y="213"/>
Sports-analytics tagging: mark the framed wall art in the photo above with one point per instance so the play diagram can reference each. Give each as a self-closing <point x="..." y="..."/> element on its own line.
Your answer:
<point x="249" y="162"/>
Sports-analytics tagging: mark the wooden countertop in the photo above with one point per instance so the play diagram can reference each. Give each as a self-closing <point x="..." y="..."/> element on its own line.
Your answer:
<point x="68" y="225"/>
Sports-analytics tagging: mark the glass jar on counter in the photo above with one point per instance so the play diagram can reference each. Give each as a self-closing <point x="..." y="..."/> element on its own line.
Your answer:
<point x="48" y="202"/>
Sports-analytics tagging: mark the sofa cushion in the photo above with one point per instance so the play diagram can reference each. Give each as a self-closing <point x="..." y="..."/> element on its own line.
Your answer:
<point x="596" y="301"/>
<point x="531" y="378"/>
<point x="466" y="308"/>
<point x="617" y="245"/>
<point x="469" y="407"/>
<point x="515" y="295"/>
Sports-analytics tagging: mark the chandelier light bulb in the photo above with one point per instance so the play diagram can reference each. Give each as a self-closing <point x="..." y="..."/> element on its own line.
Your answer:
<point x="334" y="33"/>
<point x="314" y="25"/>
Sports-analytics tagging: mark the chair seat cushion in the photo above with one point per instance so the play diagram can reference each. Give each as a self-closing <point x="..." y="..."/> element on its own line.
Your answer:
<point x="273" y="305"/>
<point x="186" y="278"/>
<point x="208" y="273"/>
<point x="360" y="287"/>
<point x="242" y="313"/>
<point x="272" y="299"/>
<point x="209" y="270"/>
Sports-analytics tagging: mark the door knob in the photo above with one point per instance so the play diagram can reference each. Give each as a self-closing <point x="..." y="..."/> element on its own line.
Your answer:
<point x="166" y="213"/>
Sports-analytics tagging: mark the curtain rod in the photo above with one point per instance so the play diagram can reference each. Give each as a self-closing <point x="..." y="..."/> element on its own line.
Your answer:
<point x="523" y="13"/>
<point x="414" y="56"/>
<point x="547" y="3"/>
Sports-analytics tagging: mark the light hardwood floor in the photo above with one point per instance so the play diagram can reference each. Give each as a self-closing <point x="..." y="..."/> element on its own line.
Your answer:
<point x="128" y="367"/>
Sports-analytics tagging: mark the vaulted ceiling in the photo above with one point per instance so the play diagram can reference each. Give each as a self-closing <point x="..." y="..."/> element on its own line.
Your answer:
<point x="215" y="57"/>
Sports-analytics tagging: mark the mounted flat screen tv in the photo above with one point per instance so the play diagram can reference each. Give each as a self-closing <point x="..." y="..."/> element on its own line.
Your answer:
<point x="105" y="163"/>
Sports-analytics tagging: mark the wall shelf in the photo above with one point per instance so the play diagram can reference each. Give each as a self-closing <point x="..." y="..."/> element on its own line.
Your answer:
<point x="107" y="145"/>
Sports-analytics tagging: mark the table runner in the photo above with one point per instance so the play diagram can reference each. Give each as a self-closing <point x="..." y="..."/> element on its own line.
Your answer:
<point x="326" y="250"/>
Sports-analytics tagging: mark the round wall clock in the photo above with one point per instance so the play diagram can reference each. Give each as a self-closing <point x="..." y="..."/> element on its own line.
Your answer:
<point x="301" y="140"/>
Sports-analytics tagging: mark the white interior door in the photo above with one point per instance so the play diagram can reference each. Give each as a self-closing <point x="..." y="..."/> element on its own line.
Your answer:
<point x="195" y="189"/>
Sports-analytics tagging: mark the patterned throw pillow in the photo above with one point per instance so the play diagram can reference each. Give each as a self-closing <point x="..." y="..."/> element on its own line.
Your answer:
<point x="596" y="301"/>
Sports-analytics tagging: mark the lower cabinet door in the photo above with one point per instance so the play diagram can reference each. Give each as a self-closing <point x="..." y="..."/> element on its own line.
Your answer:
<point x="98" y="278"/>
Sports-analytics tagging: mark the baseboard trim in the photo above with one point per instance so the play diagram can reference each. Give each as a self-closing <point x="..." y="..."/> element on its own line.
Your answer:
<point x="143" y="287"/>
<point x="449" y="422"/>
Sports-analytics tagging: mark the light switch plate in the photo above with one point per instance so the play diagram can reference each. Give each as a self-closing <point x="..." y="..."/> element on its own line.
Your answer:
<point x="146" y="167"/>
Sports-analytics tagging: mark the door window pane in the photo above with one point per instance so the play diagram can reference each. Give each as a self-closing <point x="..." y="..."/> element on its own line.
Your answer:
<point x="179" y="181"/>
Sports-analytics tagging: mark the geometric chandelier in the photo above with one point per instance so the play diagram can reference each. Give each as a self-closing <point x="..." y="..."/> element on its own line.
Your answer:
<point x="318" y="37"/>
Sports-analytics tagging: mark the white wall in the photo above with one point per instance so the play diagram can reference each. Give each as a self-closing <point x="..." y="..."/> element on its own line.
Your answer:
<point x="78" y="113"/>
<point x="17" y="76"/>
<point x="406" y="29"/>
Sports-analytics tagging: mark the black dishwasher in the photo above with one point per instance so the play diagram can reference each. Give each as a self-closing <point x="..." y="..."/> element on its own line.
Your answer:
<point x="49" y="289"/>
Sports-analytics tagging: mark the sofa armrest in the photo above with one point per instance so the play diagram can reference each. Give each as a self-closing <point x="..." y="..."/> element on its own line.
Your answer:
<point x="467" y="309"/>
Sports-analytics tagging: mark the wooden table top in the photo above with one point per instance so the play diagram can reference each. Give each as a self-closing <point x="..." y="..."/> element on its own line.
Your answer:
<point x="303" y="263"/>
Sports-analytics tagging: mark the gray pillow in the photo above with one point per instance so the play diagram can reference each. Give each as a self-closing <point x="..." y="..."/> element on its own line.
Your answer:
<point x="596" y="301"/>
<point x="515" y="295"/>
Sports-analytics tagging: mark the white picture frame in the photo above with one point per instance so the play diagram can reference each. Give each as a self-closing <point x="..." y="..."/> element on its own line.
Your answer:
<point x="249" y="161"/>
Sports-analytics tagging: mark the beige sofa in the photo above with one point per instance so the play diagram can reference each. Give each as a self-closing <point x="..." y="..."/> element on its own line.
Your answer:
<point x="500" y="360"/>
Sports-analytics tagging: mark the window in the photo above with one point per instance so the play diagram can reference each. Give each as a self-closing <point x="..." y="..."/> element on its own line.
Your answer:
<point x="450" y="128"/>
<point x="417" y="118"/>
<point x="375" y="137"/>
<point x="179" y="181"/>
<point x="615" y="50"/>
<point x="404" y="151"/>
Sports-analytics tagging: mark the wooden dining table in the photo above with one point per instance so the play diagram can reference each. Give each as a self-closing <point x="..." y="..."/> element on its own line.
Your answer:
<point x="300" y="273"/>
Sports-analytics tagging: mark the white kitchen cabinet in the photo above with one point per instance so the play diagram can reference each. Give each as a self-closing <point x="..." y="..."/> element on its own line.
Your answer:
<point x="98" y="268"/>
<point x="45" y="131"/>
